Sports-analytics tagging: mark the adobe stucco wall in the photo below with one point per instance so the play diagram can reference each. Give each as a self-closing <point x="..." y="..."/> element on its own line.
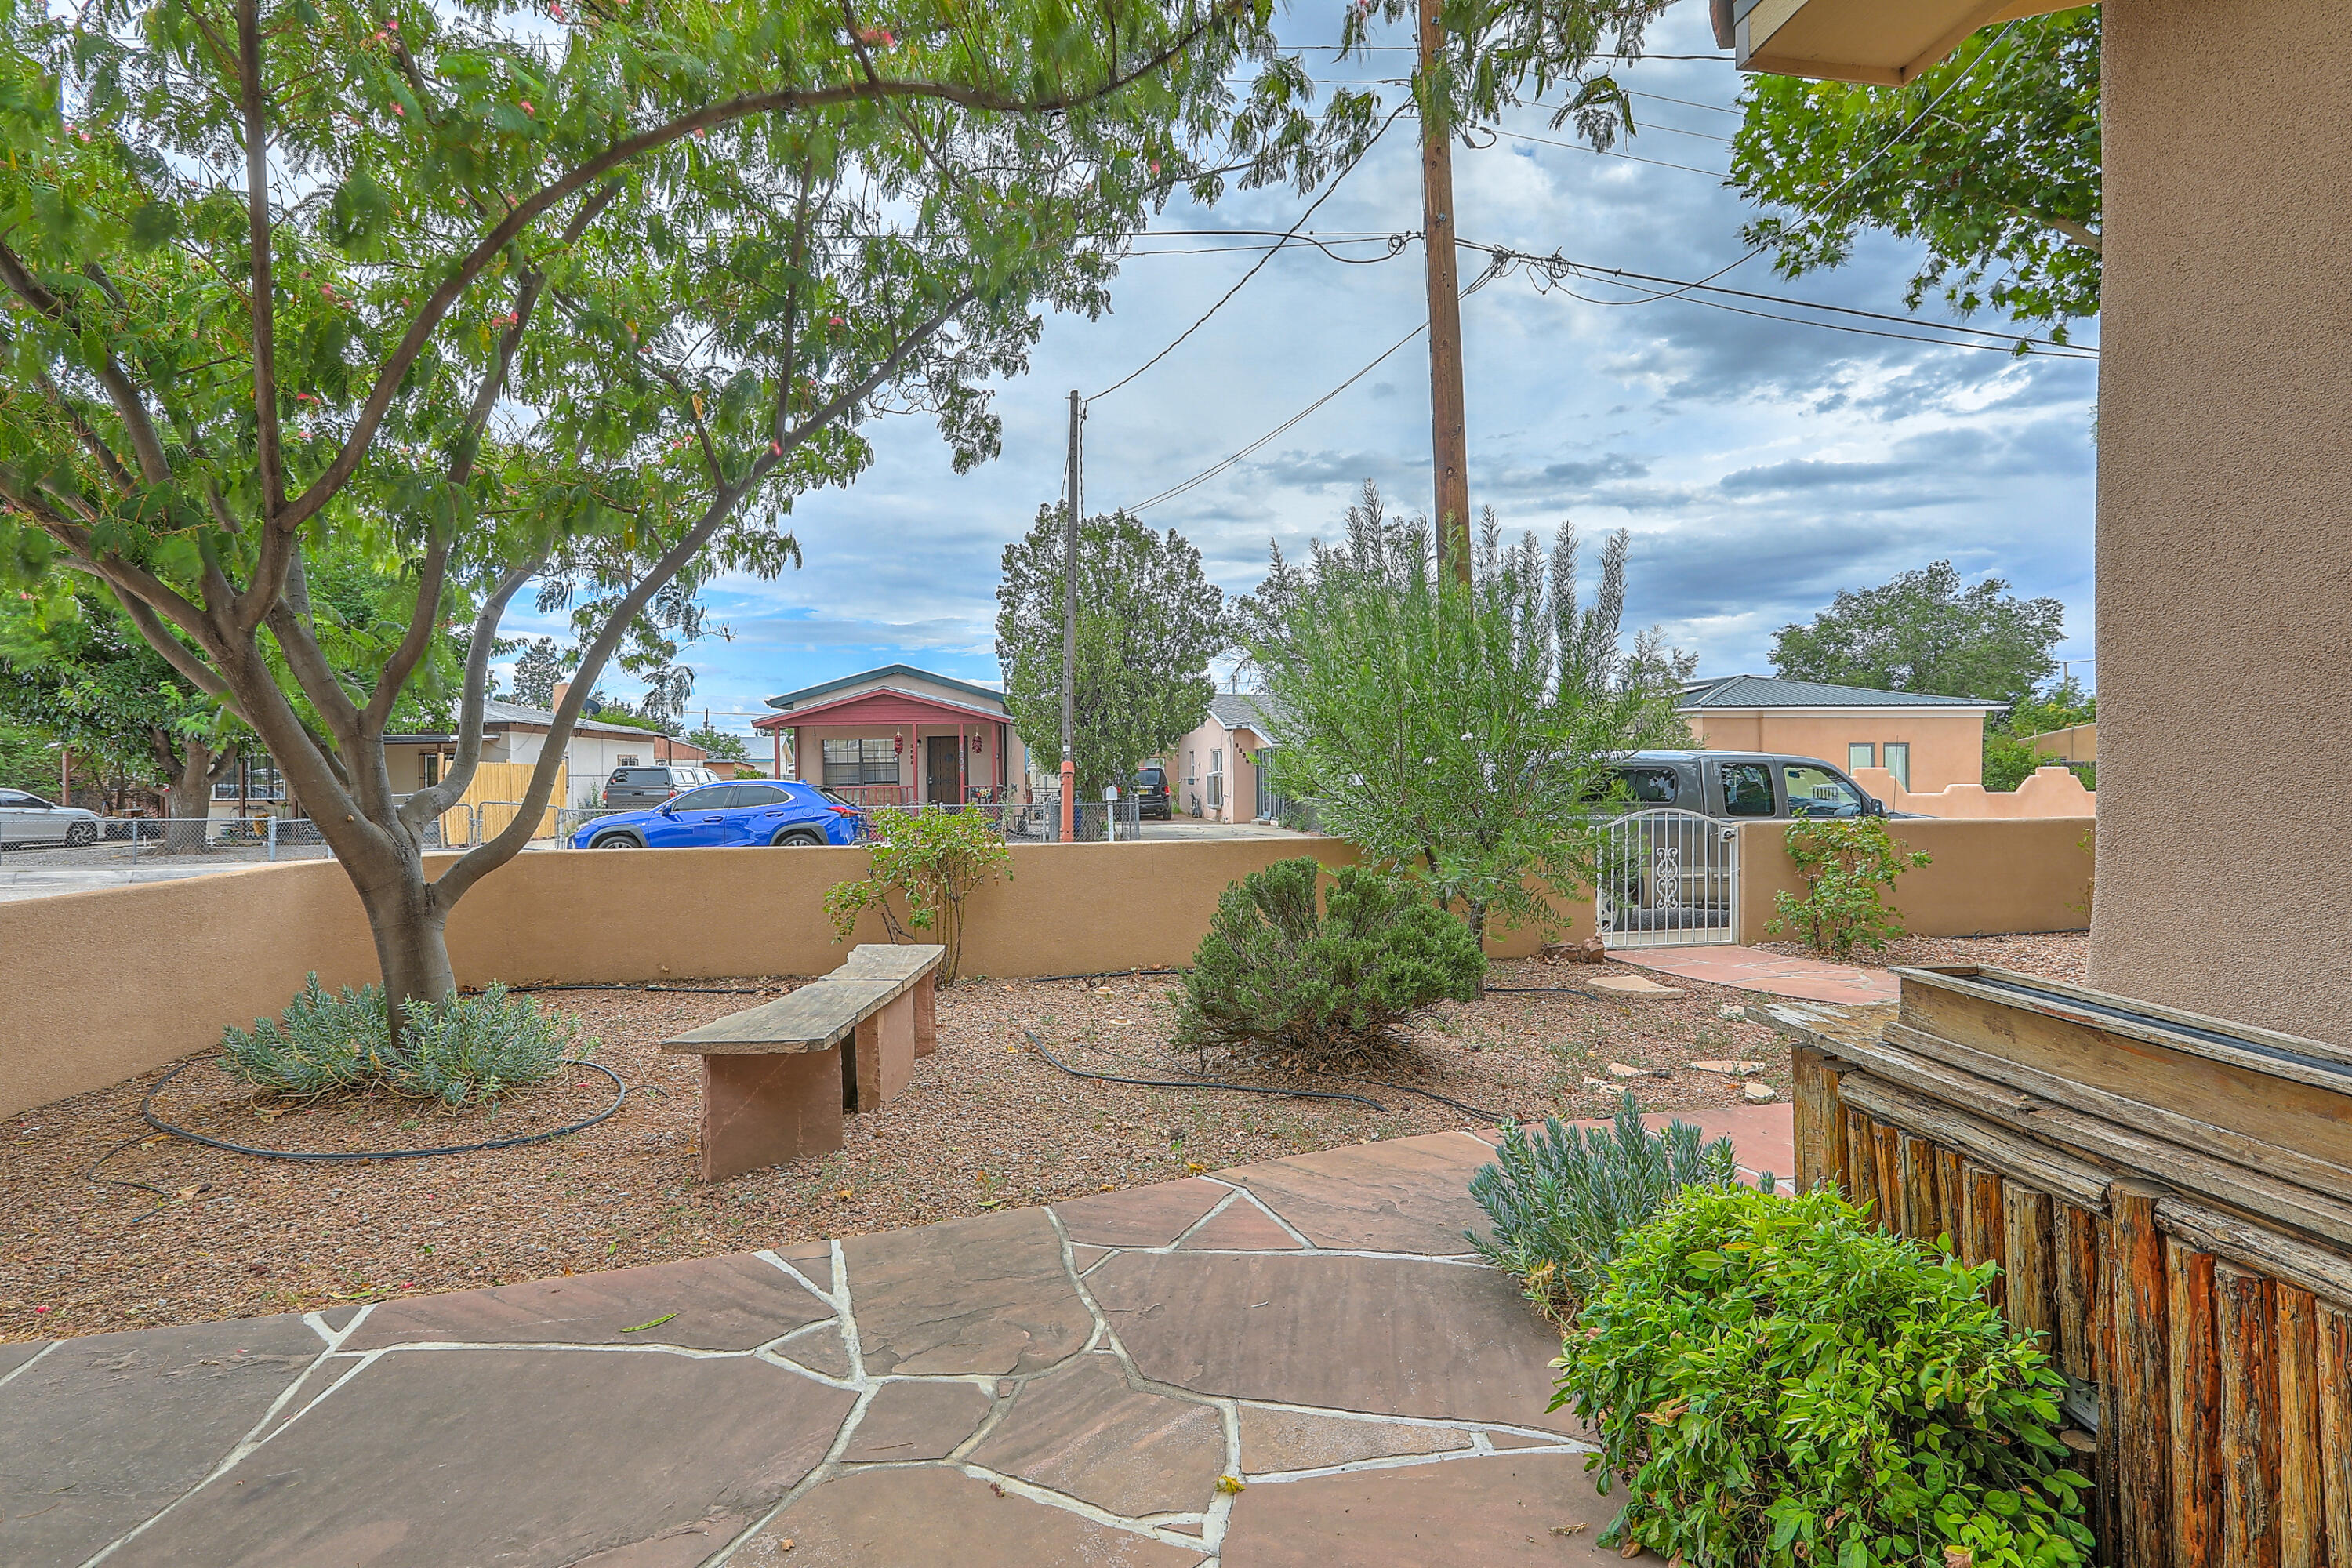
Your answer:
<point x="1987" y="875"/>
<point x="79" y="1011"/>
<point x="2047" y="791"/>
<point x="2225" y="511"/>
<point x="1945" y="748"/>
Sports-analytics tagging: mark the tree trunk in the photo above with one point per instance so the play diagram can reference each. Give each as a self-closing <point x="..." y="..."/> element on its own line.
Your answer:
<point x="188" y="798"/>
<point x="412" y="944"/>
<point x="1477" y="919"/>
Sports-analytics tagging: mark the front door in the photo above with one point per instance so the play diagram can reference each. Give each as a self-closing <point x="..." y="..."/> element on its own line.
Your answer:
<point x="942" y="754"/>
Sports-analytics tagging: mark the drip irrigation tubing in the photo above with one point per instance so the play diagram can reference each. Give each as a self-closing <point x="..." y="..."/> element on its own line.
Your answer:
<point x="1543" y="991"/>
<point x="1491" y="1116"/>
<point x="651" y="985"/>
<point x="147" y="1114"/>
<point x="1099" y="975"/>
<point x="1196" y="1082"/>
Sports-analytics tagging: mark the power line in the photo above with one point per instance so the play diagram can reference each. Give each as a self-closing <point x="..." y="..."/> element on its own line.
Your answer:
<point x="1607" y="153"/>
<point x="1686" y="103"/>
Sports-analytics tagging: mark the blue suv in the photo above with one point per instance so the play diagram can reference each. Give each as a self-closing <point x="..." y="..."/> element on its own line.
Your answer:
<point x="782" y="812"/>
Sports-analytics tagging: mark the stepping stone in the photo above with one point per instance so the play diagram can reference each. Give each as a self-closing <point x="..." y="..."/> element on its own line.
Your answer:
<point x="1082" y="1431"/>
<point x="1759" y="1093"/>
<point x="1407" y="1194"/>
<point x="1141" y="1216"/>
<point x="819" y="1349"/>
<point x="1498" y="1512"/>
<point x="1730" y="1069"/>
<point x="731" y="1303"/>
<point x="1274" y="1441"/>
<point x="927" y="1514"/>
<point x="1631" y="985"/>
<point x="988" y="1295"/>
<point x="433" y="1458"/>
<point x="918" y="1421"/>
<point x="1242" y="1227"/>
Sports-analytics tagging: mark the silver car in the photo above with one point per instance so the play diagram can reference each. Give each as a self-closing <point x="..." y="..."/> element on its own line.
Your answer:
<point x="27" y="819"/>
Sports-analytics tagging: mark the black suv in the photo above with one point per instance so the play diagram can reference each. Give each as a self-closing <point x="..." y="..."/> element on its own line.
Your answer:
<point x="1151" y="797"/>
<point x="636" y="789"/>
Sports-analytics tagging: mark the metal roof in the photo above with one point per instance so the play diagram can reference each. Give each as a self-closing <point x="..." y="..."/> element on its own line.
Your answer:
<point x="1244" y="711"/>
<point x="495" y="712"/>
<point x="792" y="699"/>
<point x="1770" y="691"/>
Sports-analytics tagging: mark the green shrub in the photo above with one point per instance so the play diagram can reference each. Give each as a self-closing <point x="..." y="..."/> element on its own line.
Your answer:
<point x="467" y="1050"/>
<point x="1276" y="984"/>
<point x="1779" y="1383"/>
<point x="1562" y="1201"/>
<point x="1846" y="866"/>
<point x="921" y="867"/>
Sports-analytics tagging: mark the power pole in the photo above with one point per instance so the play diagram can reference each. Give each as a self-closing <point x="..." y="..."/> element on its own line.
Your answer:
<point x="1070" y="625"/>
<point x="1449" y="431"/>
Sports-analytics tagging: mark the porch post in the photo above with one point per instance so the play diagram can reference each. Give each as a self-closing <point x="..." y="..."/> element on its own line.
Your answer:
<point x="963" y="771"/>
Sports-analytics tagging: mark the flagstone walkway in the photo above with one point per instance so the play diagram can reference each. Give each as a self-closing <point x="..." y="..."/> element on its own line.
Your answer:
<point x="1290" y="1363"/>
<point x="1780" y="974"/>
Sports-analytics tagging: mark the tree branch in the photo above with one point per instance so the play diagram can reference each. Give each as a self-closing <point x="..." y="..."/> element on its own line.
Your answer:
<point x="120" y="391"/>
<point x="430" y="802"/>
<point x="267" y="455"/>
<point x="2081" y="234"/>
<point x="290" y="622"/>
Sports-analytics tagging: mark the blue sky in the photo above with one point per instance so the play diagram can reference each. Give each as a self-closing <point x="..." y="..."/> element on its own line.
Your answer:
<point x="1760" y="466"/>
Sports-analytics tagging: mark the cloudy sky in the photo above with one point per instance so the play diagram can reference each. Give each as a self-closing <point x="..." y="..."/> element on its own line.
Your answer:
<point x="1761" y="466"/>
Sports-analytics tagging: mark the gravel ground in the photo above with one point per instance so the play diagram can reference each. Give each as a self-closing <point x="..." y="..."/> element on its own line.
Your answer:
<point x="987" y="1123"/>
<point x="2054" y="955"/>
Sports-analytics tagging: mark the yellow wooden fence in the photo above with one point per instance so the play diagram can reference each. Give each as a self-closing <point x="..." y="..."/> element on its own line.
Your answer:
<point x="495" y="793"/>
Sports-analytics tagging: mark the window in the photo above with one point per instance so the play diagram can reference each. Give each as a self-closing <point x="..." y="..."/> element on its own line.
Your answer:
<point x="1860" y="754"/>
<point x="1898" y="762"/>
<point x="625" y="760"/>
<point x="1651" y="787"/>
<point x="760" y="795"/>
<point x="1817" y="792"/>
<point x="710" y="798"/>
<point x="871" y="761"/>
<point x="19" y="797"/>
<point x="1747" y="789"/>
<point x="1216" y="777"/>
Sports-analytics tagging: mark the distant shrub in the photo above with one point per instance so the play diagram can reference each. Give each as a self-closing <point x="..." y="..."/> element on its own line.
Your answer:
<point x="1562" y="1201"/>
<point x="1778" y="1381"/>
<point x="467" y="1050"/>
<point x="1846" y="865"/>
<point x="921" y="867"/>
<point x="1278" y="983"/>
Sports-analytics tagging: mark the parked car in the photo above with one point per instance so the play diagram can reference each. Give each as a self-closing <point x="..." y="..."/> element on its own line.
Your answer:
<point x="782" y="812"/>
<point x="631" y="788"/>
<point x="1738" y="785"/>
<point x="27" y="819"/>
<point x="1151" y="797"/>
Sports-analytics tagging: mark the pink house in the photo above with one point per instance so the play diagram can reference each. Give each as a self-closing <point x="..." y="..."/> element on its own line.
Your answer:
<point x="898" y="736"/>
<point x="1214" y="773"/>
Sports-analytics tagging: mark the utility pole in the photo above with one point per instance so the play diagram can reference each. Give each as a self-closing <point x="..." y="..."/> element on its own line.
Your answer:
<point x="1071" y="491"/>
<point x="1449" y="432"/>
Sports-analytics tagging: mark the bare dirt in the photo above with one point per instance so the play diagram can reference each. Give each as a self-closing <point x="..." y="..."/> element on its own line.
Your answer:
<point x="2054" y="956"/>
<point x="987" y="1123"/>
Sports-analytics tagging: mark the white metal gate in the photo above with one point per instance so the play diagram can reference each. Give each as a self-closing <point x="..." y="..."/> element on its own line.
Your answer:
<point x="1667" y="878"/>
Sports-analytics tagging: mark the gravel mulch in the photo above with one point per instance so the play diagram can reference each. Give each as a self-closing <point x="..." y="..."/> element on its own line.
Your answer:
<point x="987" y="1123"/>
<point x="2054" y="956"/>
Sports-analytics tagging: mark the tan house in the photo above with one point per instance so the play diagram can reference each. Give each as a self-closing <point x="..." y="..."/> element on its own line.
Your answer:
<point x="1215" y="772"/>
<point x="1927" y="743"/>
<point x="898" y="736"/>
<point x="514" y="734"/>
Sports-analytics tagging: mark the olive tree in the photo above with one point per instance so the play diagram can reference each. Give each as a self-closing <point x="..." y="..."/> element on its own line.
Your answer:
<point x="491" y="291"/>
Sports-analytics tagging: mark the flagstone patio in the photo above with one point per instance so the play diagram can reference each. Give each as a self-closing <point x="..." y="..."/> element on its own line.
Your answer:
<point x="1292" y="1363"/>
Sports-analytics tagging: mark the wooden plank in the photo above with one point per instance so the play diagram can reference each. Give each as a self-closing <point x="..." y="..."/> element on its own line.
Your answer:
<point x="896" y="960"/>
<point x="1860" y="1167"/>
<point x="1923" y="1214"/>
<point x="2194" y="1374"/>
<point x="1982" y="1230"/>
<point x="2075" y="1289"/>
<point x="2066" y="1000"/>
<point x="1886" y="1170"/>
<point x="2280" y="1203"/>
<point x="2026" y="1253"/>
<point x="2290" y="1097"/>
<point x="1951" y="1194"/>
<point x="2251" y="1246"/>
<point x="2336" y="1429"/>
<point x="1997" y="1148"/>
<point x="2301" y="1511"/>
<point x="1981" y="1074"/>
<point x="2106" y="1496"/>
<point x="1818" y="1122"/>
<point x="2245" y="1327"/>
<point x="2139" y="1401"/>
<point x="816" y="1016"/>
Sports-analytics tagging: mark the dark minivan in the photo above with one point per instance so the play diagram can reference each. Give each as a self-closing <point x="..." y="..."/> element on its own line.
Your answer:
<point x="1151" y="798"/>
<point x="1736" y="785"/>
<point x="635" y="789"/>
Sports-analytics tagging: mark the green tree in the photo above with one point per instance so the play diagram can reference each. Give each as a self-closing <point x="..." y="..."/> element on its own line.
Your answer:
<point x="1990" y="160"/>
<point x="1459" y="733"/>
<point x="536" y="670"/>
<point x="719" y="743"/>
<point x="1148" y="622"/>
<point x="1925" y="632"/>
<point x="485" y="295"/>
<point x="2009" y="757"/>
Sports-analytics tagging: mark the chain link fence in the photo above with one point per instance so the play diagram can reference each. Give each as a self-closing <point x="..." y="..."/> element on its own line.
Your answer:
<point x="30" y="839"/>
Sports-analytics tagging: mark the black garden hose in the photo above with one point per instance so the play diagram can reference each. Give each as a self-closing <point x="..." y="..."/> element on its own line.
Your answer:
<point x="1195" y="1082"/>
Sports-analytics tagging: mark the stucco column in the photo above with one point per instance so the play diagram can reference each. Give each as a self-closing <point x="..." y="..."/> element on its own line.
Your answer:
<point x="2225" y="512"/>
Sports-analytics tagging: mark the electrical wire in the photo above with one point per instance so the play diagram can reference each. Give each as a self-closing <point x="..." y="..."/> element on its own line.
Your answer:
<point x="1606" y="153"/>
<point x="1195" y="1082"/>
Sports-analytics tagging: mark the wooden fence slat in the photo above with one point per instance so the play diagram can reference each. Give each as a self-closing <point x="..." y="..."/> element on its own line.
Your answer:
<point x="1859" y="1168"/>
<point x="2300" y="1508"/>
<point x="1982" y="1239"/>
<point x="2075" y="1288"/>
<point x="1818" y="1122"/>
<point x="2336" y="1429"/>
<point x="2245" y="1326"/>
<point x="2026" y="1257"/>
<point x="1922" y="1215"/>
<point x="1886" y="1162"/>
<point x="2194" y="1372"/>
<point x="1951" y="1194"/>
<point x="2139" y="1403"/>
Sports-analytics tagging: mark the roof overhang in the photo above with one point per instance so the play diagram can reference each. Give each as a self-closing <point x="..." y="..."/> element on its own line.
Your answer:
<point x="1887" y="43"/>
<point x="883" y="705"/>
<point x="1860" y="710"/>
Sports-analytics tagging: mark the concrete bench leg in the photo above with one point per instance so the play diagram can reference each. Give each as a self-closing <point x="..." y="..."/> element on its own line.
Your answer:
<point x="886" y="1055"/>
<point x="926" y="1017"/>
<point x="769" y="1110"/>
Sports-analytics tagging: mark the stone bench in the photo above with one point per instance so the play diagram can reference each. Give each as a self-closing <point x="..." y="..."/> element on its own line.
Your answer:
<point x="777" y="1077"/>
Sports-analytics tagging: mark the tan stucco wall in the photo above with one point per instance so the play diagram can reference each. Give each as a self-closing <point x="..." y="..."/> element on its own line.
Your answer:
<point x="1986" y="876"/>
<point x="2047" y="791"/>
<point x="1945" y="748"/>
<point x="229" y="948"/>
<point x="2225" y="509"/>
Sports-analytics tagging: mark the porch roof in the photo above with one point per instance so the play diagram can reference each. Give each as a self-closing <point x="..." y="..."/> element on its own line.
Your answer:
<point x="883" y="705"/>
